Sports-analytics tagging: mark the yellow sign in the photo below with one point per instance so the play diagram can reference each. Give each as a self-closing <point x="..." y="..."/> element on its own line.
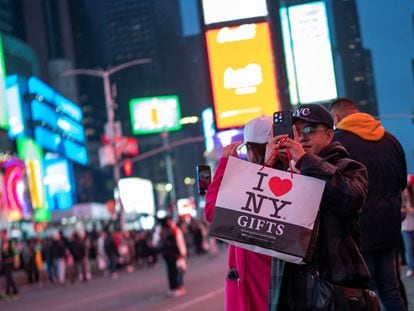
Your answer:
<point x="242" y="73"/>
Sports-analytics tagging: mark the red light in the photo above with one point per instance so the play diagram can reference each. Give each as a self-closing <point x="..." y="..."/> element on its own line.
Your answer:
<point x="127" y="167"/>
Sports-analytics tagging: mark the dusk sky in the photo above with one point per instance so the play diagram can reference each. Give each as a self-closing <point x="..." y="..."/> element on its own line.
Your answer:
<point x="388" y="31"/>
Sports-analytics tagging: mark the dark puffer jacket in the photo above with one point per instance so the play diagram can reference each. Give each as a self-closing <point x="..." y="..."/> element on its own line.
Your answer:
<point x="339" y="259"/>
<point x="384" y="158"/>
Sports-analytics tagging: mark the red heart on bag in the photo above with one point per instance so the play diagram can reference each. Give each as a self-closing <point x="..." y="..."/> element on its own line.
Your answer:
<point x="279" y="186"/>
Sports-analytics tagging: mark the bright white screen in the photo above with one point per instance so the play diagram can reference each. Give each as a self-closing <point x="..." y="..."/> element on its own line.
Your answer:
<point x="216" y="11"/>
<point x="137" y="195"/>
<point x="308" y="53"/>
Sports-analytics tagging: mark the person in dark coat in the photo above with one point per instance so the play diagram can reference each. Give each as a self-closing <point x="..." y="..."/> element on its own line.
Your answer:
<point x="337" y="257"/>
<point x="78" y="251"/>
<point x="111" y="251"/>
<point x="29" y="260"/>
<point x="7" y="255"/>
<point x="369" y="143"/>
<point x="172" y="249"/>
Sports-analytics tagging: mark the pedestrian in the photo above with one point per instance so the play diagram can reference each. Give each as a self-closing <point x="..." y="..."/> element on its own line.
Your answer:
<point x="407" y="227"/>
<point x="3" y="237"/>
<point x="111" y="251"/>
<point x="7" y="255"/>
<point x="60" y="251"/>
<point x="29" y="261"/>
<point x="382" y="154"/>
<point x="336" y="258"/>
<point x="49" y="256"/>
<point x="174" y="252"/>
<point x="78" y="252"/>
<point x="248" y="273"/>
<point x="101" y="257"/>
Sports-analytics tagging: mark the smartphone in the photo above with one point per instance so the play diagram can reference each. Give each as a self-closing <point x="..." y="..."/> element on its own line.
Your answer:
<point x="282" y="123"/>
<point x="203" y="178"/>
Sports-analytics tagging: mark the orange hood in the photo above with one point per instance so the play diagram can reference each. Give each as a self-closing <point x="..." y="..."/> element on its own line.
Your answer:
<point x="363" y="125"/>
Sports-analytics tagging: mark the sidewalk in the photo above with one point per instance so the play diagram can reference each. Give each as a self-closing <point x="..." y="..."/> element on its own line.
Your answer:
<point x="409" y="287"/>
<point x="21" y="281"/>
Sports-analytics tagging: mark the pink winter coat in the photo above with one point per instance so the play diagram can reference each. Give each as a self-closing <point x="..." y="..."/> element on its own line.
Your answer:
<point x="251" y="292"/>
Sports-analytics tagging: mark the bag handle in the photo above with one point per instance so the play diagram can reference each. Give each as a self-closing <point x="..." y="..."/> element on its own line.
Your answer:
<point x="274" y="154"/>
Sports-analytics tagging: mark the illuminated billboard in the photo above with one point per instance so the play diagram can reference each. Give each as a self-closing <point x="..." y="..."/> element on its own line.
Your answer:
<point x="14" y="188"/>
<point x="137" y="195"/>
<point x="47" y="115"/>
<point x="308" y="53"/>
<point x="242" y="73"/>
<point x="217" y="11"/>
<point x="4" y="117"/>
<point x="155" y="114"/>
<point x="59" y="183"/>
<point x="208" y="128"/>
<point x="44" y="92"/>
<point x="14" y="107"/>
<point x="32" y="154"/>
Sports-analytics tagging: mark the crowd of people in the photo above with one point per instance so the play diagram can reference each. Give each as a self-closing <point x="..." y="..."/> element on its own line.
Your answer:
<point x="366" y="211"/>
<point x="64" y="258"/>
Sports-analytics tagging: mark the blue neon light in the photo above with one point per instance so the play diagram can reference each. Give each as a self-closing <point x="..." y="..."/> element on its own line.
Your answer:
<point x="14" y="107"/>
<point x="44" y="92"/>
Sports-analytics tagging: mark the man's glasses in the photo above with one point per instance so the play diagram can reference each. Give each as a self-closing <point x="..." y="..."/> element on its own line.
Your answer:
<point x="309" y="131"/>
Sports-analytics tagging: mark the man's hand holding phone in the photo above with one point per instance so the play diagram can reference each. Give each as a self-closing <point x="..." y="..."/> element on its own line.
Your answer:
<point x="282" y="129"/>
<point x="282" y="123"/>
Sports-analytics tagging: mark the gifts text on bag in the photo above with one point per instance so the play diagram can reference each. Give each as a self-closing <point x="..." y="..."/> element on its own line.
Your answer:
<point x="254" y="202"/>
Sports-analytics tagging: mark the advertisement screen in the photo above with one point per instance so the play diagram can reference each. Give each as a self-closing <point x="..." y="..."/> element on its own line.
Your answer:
<point x="137" y="195"/>
<point x="14" y="107"/>
<point x="74" y="151"/>
<point x="32" y="154"/>
<point x="59" y="183"/>
<point x="14" y="186"/>
<point x="45" y="92"/>
<point x="216" y="11"/>
<point x="208" y="128"/>
<point x="155" y="114"/>
<point x="243" y="83"/>
<point x="308" y="53"/>
<point x="4" y="119"/>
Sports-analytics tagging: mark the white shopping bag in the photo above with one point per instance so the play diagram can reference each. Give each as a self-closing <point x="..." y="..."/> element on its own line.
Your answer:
<point x="267" y="211"/>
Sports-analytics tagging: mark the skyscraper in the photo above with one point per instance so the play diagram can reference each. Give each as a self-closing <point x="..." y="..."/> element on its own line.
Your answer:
<point x="356" y="61"/>
<point x="111" y="32"/>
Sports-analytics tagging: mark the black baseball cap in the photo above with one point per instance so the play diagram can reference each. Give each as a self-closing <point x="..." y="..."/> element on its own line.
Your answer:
<point x="314" y="113"/>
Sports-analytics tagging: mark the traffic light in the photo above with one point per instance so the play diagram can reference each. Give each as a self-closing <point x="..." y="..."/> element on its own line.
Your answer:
<point x="127" y="167"/>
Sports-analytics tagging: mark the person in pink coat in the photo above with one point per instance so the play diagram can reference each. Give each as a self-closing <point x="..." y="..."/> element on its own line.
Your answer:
<point x="248" y="273"/>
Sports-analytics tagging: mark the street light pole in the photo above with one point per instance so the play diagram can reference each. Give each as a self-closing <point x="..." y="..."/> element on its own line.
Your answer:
<point x="170" y="175"/>
<point x="110" y="106"/>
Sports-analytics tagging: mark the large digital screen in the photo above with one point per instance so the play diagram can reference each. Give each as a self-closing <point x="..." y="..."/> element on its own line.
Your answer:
<point x="44" y="113"/>
<point x="137" y="195"/>
<point x="32" y="154"/>
<point x="75" y="152"/>
<point x="217" y="11"/>
<point x="4" y="117"/>
<point x="45" y="92"/>
<point x="47" y="139"/>
<point x="14" y="107"/>
<point x="56" y="143"/>
<point x="155" y="114"/>
<point x="242" y="73"/>
<point x="59" y="183"/>
<point x="208" y="128"/>
<point x="14" y="189"/>
<point x="308" y="53"/>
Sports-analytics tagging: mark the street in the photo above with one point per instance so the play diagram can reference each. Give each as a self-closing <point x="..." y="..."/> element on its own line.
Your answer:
<point x="145" y="289"/>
